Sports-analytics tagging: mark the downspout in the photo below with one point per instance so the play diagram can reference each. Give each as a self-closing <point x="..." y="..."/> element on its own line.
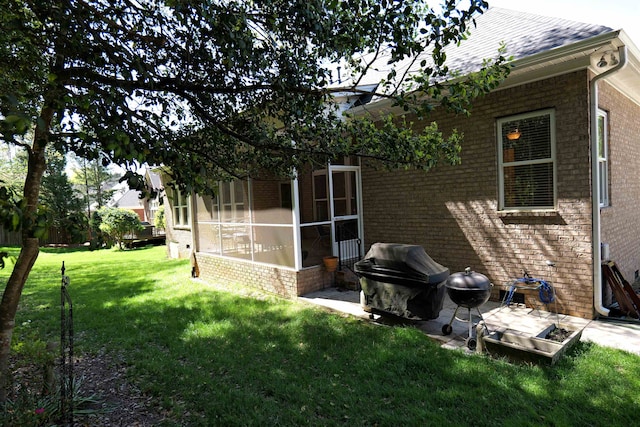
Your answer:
<point x="595" y="185"/>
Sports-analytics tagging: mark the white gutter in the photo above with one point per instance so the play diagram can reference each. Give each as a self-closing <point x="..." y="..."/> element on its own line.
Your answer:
<point x="595" y="185"/>
<point x="520" y="66"/>
<point x="558" y="53"/>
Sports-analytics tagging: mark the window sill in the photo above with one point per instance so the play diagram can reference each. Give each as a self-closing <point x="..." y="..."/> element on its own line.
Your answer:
<point x="182" y="227"/>
<point x="544" y="213"/>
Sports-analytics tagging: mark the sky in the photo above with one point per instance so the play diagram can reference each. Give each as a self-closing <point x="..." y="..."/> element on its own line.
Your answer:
<point x="615" y="14"/>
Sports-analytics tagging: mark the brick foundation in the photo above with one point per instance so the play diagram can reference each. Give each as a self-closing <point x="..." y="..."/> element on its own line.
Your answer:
<point x="277" y="280"/>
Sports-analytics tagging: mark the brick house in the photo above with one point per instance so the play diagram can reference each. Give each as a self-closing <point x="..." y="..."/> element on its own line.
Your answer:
<point x="145" y="208"/>
<point x="549" y="172"/>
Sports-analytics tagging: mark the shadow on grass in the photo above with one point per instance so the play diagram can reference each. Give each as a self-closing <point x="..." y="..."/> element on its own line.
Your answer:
<point x="63" y="249"/>
<point x="242" y="361"/>
<point x="210" y="357"/>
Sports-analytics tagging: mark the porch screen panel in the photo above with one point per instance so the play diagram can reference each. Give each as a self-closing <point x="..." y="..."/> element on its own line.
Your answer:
<point x="209" y="237"/>
<point x="320" y="196"/>
<point x="316" y="243"/>
<point x="206" y="208"/>
<point x="526" y="146"/>
<point x="273" y="245"/>
<point x="247" y="221"/>
<point x="271" y="202"/>
<point x="233" y="197"/>
<point x="208" y="227"/>
<point x="305" y="196"/>
<point x="236" y="240"/>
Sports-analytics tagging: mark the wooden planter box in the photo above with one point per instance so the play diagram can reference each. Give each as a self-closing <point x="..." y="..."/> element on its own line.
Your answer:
<point x="522" y="347"/>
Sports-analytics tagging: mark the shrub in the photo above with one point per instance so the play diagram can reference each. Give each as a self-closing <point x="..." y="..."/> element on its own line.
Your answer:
<point x="159" y="221"/>
<point x="117" y="223"/>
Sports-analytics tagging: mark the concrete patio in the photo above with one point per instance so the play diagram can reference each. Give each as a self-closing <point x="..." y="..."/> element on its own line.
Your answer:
<point x="621" y="334"/>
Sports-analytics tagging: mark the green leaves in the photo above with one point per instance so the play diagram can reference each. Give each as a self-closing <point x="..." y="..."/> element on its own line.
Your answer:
<point x="117" y="223"/>
<point x="10" y="209"/>
<point x="14" y="215"/>
<point x="15" y="124"/>
<point x="395" y="138"/>
<point x="235" y="88"/>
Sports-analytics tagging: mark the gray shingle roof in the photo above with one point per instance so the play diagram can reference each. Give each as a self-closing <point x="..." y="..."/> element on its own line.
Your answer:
<point x="524" y="34"/>
<point x="154" y="178"/>
<point x="130" y="199"/>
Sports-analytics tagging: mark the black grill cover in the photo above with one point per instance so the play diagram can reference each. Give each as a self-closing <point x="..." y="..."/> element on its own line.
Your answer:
<point x="402" y="280"/>
<point x="407" y="265"/>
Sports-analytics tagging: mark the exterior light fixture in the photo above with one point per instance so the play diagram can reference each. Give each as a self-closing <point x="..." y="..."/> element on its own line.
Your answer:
<point x="602" y="63"/>
<point x="514" y="135"/>
<point x="613" y="60"/>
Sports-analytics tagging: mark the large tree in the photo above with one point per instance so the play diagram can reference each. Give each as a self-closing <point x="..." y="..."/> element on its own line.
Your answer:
<point x="65" y="208"/>
<point x="94" y="180"/>
<point x="215" y="89"/>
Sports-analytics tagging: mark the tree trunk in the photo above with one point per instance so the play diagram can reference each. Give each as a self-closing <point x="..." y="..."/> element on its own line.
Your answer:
<point x="30" y="245"/>
<point x="9" y="305"/>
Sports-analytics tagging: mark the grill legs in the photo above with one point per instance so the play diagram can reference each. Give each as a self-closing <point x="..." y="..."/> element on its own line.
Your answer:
<point x="470" y="341"/>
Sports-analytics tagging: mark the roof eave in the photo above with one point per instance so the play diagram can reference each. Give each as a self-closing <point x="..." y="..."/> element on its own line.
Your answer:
<point x="558" y="61"/>
<point x="578" y="56"/>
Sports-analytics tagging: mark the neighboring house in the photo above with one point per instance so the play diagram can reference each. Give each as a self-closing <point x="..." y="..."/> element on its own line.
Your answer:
<point x="549" y="171"/>
<point x="153" y="204"/>
<point x="131" y="200"/>
<point x="145" y="208"/>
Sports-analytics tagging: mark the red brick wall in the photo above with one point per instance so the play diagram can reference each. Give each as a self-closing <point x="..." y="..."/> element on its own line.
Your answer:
<point x="452" y="210"/>
<point x="280" y="281"/>
<point x="620" y="222"/>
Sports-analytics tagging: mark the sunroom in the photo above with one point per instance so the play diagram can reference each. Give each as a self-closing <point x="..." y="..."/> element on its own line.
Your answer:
<point x="273" y="234"/>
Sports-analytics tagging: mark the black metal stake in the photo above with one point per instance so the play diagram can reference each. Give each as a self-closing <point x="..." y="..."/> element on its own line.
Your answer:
<point x="66" y="352"/>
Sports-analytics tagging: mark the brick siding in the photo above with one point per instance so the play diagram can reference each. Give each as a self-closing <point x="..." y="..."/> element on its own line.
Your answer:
<point x="620" y="224"/>
<point x="452" y="210"/>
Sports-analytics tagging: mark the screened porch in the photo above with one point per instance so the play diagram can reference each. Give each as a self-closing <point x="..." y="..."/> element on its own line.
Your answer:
<point x="292" y="223"/>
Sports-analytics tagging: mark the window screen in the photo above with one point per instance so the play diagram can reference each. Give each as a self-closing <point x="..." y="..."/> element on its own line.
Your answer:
<point x="527" y="159"/>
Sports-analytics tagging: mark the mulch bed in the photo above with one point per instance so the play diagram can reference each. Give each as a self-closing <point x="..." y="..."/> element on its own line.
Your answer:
<point x="114" y="399"/>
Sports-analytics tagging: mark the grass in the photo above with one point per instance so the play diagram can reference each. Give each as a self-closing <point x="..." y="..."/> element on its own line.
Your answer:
<point x="212" y="355"/>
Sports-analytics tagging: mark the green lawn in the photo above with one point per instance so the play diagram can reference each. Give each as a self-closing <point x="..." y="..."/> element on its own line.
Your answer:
<point x="211" y="356"/>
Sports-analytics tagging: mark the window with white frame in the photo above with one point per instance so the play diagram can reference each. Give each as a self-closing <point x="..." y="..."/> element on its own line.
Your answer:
<point x="233" y="198"/>
<point x="526" y="151"/>
<point x="603" y="157"/>
<point x="181" y="212"/>
<point x="154" y="205"/>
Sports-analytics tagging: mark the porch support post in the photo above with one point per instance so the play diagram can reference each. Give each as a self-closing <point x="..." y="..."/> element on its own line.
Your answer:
<point x="295" y="213"/>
